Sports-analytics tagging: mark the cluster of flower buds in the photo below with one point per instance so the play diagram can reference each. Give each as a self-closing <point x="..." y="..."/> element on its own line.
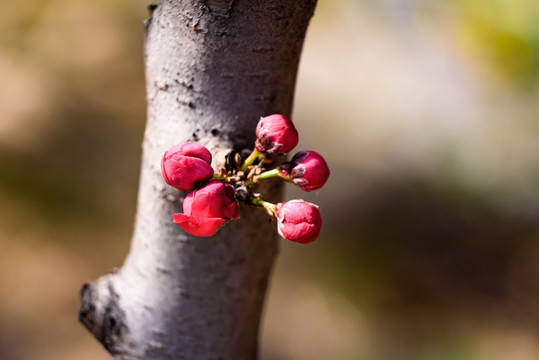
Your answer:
<point x="214" y="197"/>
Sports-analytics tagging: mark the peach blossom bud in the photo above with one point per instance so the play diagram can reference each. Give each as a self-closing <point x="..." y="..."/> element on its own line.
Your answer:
<point x="185" y="165"/>
<point x="206" y="209"/>
<point x="308" y="169"/>
<point x="298" y="221"/>
<point x="276" y="134"/>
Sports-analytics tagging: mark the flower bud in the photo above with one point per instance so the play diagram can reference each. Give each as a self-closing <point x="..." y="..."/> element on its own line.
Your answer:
<point x="308" y="169"/>
<point x="186" y="164"/>
<point x="298" y="221"/>
<point x="206" y="209"/>
<point x="276" y="134"/>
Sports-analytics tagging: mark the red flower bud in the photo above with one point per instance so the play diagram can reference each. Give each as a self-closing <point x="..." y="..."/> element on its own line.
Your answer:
<point x="207" y="208"/>
<point x="298" y="221"/>
<point x="186" y="164"/>
<point x="276" y="134"/>
<point x="308" y="169"/>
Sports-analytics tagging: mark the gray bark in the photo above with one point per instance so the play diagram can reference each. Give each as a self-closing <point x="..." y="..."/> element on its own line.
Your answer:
<point x="212" y="68"/>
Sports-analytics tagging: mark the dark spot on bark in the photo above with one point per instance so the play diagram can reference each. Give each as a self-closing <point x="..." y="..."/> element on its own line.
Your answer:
<point x="163" y="270"/>
<point x="220" y="7"/>
<point x="87" y="307"/>
<point x="148" y="22"/>
<point x="163" y="86"/>
<point x="185" y="84"/>
<point x="114" y="327"/>
<point x="185" y="102"/>
<point x="158" y="332"/>
<point x="106" y="324"/>
<point x="265" y="98"/>
<point x="154" y="349"/>
<point x="262" y="49"/>
<point x="280" y="12"/>
<point x="258" y="75"/>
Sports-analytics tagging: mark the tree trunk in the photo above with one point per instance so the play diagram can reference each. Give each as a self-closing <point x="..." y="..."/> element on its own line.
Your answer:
<point x="212" y="69"/>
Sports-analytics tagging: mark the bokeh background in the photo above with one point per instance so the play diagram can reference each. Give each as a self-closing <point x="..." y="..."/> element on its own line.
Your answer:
<point x="427" y="112"/>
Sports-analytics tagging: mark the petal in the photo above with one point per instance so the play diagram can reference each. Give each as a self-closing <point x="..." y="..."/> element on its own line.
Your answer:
<point x="196" y="150"/>
<point x="303" y="233"/>
<point x="205" y="205"/>
<point x="214" y="200"/>
<point x="198" y="226"/>
<point x="184" y="172"/>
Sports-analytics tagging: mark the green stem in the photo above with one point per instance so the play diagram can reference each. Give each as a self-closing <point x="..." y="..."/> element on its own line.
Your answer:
<point x="269" y="174"/>
<point x="219" y="177"/>
<point x="266" y="175"/>
<point x="267" y="205"/>
<point x="250" y="159"/>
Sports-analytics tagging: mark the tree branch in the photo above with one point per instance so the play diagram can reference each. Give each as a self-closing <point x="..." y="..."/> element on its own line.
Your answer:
<point x="212" y="69"/>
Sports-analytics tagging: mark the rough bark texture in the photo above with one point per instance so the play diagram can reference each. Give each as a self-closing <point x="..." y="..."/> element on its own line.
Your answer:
<point x="213" y="68"/>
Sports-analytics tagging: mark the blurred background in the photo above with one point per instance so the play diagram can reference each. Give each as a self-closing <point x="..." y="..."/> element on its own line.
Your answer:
<point x="427" y="112"/>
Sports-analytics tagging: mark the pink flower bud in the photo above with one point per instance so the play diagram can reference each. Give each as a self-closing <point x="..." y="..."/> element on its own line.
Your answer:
<point x="276" y="134"/>
<point x="298" y="221"/>
<point x="308" y="169"/>
<point x="207" y="208"/>
<point x="186" y="164"/>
